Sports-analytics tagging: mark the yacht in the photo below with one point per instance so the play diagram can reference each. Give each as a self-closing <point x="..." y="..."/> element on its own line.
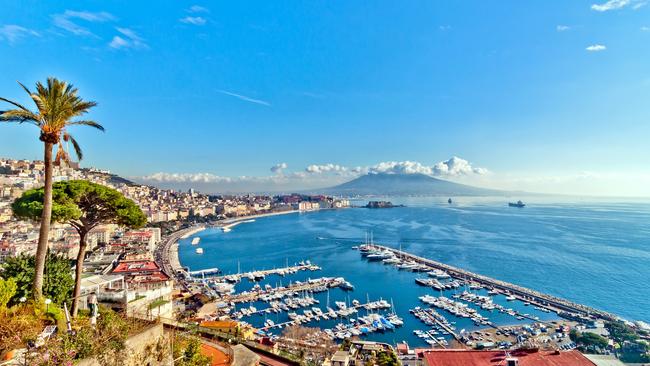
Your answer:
<point x="392" y="260"/>
<point x="199" y="250"/>
<point x="380" y="256"/>
<point x="346" y="286"/>
<point x="196" y="240"/>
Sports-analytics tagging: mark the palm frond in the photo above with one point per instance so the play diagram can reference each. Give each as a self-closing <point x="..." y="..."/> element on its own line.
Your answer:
<point x="87" y="123"/>
<point x="20" y="116"/>
<point x="77" y="148"/>
<point x="14" y="103"/>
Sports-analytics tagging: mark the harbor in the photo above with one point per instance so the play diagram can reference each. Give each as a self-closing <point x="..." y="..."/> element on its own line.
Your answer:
<point x="272" y="299"/>
<point x="399" y="272"/>
<point x="540" y="300"/>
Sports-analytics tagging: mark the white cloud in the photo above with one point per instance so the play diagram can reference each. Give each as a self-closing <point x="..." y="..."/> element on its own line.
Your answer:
<point x="610" y="5"/>
<point x="639" y="5"/>
<point x="278" y="168"/>
<point x="400" y="167"/>
<point x="325" y="168"/>
<point x="645" y="29"/>
<point x="128" y="39"/>
<point x="562" y="28"/>
<point x="193" y="20"/>
<point x="596" y="48"/>
<point x="64" y="21"/>
<point x="245" y="98"/>
<point x="453" y="167"/>
<point x="185" y="177"/>
<point x="197" y="9"/>
<point x="456" y="167"/>
<point x="13" y="33"/>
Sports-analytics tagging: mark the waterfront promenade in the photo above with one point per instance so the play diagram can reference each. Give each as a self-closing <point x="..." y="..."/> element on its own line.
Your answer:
<point x="166" y="253"/>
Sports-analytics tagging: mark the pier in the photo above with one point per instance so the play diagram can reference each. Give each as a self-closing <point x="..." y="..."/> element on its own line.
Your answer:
<point x="303" y="266"/>
<point x="203" y="272"/>
<point x="303" y="319"/>
<point x="521" y="293"/>
<point x="325" y="282"/>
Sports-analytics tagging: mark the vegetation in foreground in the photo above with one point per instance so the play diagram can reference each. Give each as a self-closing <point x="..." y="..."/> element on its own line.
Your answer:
<point x="83" y="205"/>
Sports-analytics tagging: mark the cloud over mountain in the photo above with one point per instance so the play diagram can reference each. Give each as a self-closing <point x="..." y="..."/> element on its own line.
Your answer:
<point x="314" y="175"/>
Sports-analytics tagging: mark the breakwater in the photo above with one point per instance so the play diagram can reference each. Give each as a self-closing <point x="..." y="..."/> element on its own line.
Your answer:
<point x="527" y="295"/>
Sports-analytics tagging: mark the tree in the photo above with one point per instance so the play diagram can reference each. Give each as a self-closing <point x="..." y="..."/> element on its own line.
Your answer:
<point x="57" y="104"/>
<point x="58" y="281"/>
<point x="83" y="205"/>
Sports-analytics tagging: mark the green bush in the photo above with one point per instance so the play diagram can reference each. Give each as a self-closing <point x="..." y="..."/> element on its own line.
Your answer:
<point x="58" y="282"/>
<point x="8" y="289"/>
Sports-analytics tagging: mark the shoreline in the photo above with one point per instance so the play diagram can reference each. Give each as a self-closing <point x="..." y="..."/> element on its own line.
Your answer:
<point x="170" y="252"/>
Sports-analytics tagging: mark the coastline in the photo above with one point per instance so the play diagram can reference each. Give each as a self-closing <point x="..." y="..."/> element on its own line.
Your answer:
<point x="170" y="252"/>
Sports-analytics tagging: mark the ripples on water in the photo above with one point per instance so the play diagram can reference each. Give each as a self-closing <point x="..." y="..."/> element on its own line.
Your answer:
<point x="594" y="253"/>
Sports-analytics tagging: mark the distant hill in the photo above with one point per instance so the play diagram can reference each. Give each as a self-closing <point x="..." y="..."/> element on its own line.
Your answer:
<point x="406" y="185"/>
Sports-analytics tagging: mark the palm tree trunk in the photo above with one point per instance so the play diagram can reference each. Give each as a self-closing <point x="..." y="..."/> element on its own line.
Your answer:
<point x="41" y="250"/>
<point x="78" y="271"/>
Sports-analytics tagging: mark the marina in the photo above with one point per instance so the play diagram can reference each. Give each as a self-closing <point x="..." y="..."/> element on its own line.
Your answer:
<point x="540" y="300"/>
<point x="401" y="275"/>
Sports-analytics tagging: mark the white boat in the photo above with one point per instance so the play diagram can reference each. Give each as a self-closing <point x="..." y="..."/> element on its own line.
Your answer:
<point x="196" y="240"/>
<point x="223" y="288"/>
<point x="226" y="229"/>
<point x="199" y="250"/>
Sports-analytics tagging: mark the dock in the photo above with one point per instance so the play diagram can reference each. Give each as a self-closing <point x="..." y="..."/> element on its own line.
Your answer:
<point x="203" y="272"/>
<point x="304" y="320"/>
<point x="521" y="293"/>
<point x="310" y="285"/>
<point x="267" y="272"/>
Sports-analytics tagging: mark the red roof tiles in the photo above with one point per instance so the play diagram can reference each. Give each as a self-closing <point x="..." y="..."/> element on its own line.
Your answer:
<point x="494" y="358"/>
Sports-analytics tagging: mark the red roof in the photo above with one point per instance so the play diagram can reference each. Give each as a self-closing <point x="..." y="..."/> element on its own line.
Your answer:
<point x="136" y="266"/>
<point x="494" y="358"/>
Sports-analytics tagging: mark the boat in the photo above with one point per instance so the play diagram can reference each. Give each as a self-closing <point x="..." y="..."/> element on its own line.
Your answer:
<point x="226" y="229"/>
<point x="346" y="286"/>
<point x="380" y="256"/>
<point x="223" y="288"/>
<point x="196" y="240"/>
<point x="393" y="260"/>
<point x="199" y="250"/>
<point x="516" y="204"/>
<point x="449" y="201"/>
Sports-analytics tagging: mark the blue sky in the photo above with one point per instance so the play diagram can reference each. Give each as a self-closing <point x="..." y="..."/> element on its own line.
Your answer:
<point x="548" y="96"/>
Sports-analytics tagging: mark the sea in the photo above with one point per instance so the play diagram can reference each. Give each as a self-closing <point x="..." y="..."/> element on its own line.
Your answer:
<point x="591" y="251"/>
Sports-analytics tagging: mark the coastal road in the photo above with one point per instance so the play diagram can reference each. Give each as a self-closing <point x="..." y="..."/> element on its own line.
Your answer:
<point x="166" y="254"/>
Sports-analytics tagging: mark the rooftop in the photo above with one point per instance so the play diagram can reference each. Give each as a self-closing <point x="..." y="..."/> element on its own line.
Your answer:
<point x="136" y="266"/>
<point x="494" y="358"/>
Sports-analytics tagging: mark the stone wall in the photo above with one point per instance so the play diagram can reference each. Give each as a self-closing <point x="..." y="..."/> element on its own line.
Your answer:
<point x="147" y="348"/>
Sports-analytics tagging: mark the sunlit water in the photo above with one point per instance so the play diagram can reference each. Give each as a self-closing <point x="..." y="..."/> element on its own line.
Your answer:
<point x="593" y="253"/>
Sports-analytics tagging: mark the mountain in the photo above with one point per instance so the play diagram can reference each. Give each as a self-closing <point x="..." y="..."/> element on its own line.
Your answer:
<point x="406" y="185"/>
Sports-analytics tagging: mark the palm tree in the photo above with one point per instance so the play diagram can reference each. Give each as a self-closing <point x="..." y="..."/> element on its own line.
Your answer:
<point x="57" y="104"/>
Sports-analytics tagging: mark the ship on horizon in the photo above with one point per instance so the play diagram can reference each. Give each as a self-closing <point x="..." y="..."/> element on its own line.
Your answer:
<point x="516" y="204"/>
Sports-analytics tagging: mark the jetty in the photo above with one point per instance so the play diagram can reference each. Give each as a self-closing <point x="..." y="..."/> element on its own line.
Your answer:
<point x="536" y="298"/>
<point x="283" y="271"/>
<point x="205" y="272"/>
<point x="296" y="287"/>
<point x="342" y="313"/>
